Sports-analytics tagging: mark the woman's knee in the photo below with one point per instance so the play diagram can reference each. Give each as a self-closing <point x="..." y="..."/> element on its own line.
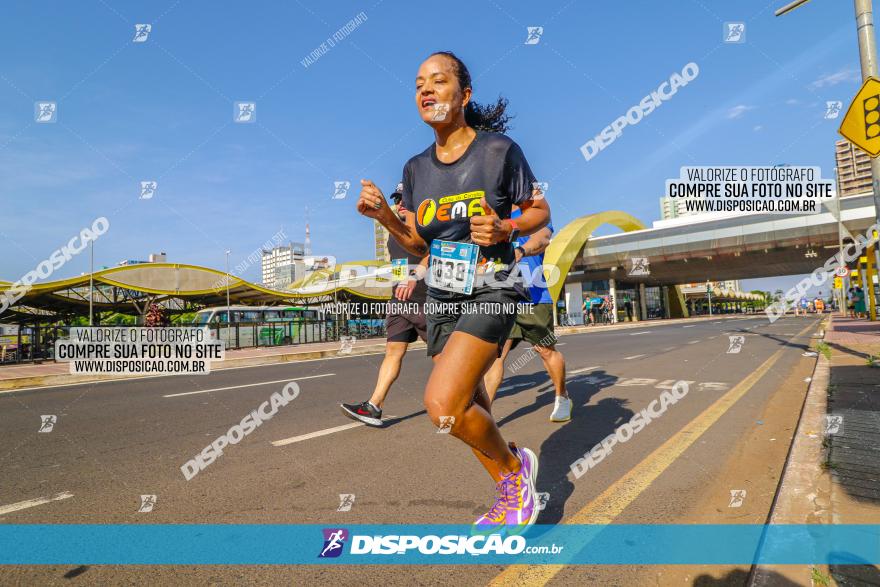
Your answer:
<point x="443" y="407"/>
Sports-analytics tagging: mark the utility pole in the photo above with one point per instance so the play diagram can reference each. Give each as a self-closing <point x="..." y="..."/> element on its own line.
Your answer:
<point x="228" y="315"/>
<point x="868" y="59"/>
<point x="709" y="295"/>
<point x="91" y="279"/>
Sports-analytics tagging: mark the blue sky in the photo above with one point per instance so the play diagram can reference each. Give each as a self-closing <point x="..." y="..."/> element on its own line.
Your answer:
<point x="163" y="110"/>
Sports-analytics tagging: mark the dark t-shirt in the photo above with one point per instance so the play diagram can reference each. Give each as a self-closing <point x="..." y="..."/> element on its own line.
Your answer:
<point x="398" y="252"/>
<point x="444" y="196"/>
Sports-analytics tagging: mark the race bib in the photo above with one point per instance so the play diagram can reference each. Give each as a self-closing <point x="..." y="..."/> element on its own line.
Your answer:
<point x="453" y="266"/>
<point x="399" y="269"/>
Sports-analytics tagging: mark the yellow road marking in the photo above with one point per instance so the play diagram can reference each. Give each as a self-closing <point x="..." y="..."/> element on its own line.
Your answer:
<point x="611" y="502"/>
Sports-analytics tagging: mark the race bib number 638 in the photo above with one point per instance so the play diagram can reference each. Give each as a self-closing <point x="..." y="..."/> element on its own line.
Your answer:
<point x="453" y="266"/>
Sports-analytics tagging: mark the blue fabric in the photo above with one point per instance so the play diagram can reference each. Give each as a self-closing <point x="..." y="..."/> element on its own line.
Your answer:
<point x="532" y="266"/>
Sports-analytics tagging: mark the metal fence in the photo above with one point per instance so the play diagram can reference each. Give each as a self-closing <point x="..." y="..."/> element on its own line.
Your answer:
<point x="37" y="343"/>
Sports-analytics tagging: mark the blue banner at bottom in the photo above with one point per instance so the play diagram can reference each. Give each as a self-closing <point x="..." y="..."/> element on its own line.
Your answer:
<point x="213" y="544"/>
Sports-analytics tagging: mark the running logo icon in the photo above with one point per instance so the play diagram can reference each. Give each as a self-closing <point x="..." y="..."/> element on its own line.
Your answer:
<point x="833" y="424"/>
<point x="734" y="32"/>
<point x="446" y="423"/>
<point x="540" y="189"/>
<point x="47" y="423"/>
<point x="148" y="502"/>
<point x="440" y="112"/>
<point x="141" y="32"/>
<point x="534" y="35"/>
<point x="45" y="112"/>
<point x="345" y="344"/>
<point x="245" y="112"/>
<point x="832" y="109"/>
<point x="346" y="500"/>
<point x="736" y="344"/>
<point x="737" y="497"/>
<point x="334" y="541"/>
<point x="543" y="500"/>
<point x="148" y="189"/>
<point x="639" y="266"/>
<point x="340" y="189"/>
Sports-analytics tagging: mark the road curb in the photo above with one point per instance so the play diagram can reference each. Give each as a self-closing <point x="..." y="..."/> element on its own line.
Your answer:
<point x="803" y="495"/>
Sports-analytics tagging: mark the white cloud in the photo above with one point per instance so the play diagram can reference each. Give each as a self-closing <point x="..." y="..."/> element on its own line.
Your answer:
<point x="738" y="110"/>
<point x="838" y="77"/>
<point x="792" y="101"/>
<point x="758" y="128"/>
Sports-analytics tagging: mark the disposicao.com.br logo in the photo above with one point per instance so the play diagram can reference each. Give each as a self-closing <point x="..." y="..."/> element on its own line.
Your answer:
<point x="451" y="544"/>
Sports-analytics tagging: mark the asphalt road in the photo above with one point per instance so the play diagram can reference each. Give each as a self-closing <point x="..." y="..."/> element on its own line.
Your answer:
<point x="115" y="441"/>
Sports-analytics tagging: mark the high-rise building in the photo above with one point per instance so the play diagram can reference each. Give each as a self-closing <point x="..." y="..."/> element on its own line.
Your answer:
<point x="381" y="235"/>
<point x="853" y="169"/>
<point x="674" y="208"/>
<point x="282" y="258"/>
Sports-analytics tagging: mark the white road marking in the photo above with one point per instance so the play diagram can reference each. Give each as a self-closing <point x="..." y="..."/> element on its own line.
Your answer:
<point x="689" y="326"/>
<point x="29" y="503"/>
<point x="642" y="332"/>
<point x="694" y="341"/>
<point x="248" y="385"/>
<point x="632" y="357"/>
<point x="344" y="427"/>
<point x="669" y="348"/>
<point x="310" y="435"/>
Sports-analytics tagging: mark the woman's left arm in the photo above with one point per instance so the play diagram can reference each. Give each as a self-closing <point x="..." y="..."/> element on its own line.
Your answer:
<point x="535" y="216"/>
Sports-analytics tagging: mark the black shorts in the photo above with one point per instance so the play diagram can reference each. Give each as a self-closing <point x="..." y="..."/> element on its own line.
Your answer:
<point x="535" y="327"/>
<point x="406" y="326"/>
<point x="491" y="326"/>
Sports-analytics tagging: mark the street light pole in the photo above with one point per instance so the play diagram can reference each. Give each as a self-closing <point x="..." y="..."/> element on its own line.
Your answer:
<point x="91" y="279"/>
<point x="868" y="59"/>
<point x="228" y="315"/>
<point x="709" y="295"/>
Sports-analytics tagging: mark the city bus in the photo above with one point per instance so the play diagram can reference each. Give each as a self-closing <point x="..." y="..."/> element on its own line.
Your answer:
<point x="262" y="325"/>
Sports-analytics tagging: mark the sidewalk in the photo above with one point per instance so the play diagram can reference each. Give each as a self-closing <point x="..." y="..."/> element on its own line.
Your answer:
<point x="50" y="373"/>
<point x="833" y="471"/>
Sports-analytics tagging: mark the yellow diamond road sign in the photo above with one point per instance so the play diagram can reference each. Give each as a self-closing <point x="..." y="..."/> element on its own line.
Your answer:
<point x="861" y="125"/>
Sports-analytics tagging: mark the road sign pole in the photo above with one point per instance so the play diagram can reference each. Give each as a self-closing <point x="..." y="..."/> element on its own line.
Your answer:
<point x="868" y="58"/>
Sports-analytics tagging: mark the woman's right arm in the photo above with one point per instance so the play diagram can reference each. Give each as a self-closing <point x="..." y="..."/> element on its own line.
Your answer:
<point x="372" y="204"/>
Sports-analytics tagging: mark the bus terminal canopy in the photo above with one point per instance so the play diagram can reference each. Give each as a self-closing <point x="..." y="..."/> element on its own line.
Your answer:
<point x="182" y="288"/>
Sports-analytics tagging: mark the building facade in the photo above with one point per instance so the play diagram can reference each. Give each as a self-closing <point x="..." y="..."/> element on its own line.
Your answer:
<point x="853" y="169"/>
<point x="381" y="235"/>
<point x="279" y="265"/>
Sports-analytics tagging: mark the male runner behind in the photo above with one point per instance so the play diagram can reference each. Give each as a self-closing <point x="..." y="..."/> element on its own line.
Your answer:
<point x="537" y="327"/>
<point x="402" y="327"/>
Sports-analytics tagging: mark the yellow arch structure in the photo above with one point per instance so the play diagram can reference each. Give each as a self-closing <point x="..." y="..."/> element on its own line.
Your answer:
<point x="568" y="242"/>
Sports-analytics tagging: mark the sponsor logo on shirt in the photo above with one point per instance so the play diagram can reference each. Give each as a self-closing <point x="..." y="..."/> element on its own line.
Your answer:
<point x="450" y="208"/>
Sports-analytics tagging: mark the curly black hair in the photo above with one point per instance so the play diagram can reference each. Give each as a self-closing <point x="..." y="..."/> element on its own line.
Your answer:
<point x="487" y="117"/>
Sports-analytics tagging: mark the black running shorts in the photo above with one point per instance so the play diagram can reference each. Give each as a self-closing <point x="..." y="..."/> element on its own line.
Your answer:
<point x="405" y="326"/>
<point x="488" y="314"/>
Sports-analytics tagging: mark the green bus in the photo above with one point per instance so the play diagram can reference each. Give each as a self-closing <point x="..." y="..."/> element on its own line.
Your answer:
<point x="262" y="325"/>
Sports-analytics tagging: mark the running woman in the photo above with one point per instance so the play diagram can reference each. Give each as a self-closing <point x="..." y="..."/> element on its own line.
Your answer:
<point x="458" y="196"/>
<point x="405" y="323"/>
<point x="535" y="324"/>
